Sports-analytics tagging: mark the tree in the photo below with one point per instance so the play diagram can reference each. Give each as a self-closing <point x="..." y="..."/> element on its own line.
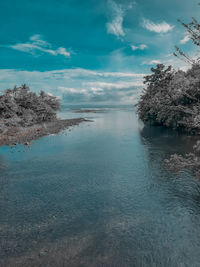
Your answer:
<point x="21" y="107"/>
<point x="172" y="98"/>
<point x="193" y="30"/>
<point x="155" y="95"/>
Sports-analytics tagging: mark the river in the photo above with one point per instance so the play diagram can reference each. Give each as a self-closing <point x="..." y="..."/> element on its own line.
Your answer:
<point x="99" y="195"/>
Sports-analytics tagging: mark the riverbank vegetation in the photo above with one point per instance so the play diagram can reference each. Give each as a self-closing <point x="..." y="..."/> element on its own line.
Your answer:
<point x="171" y="98"/>
<point x="25" y="116"/>
<point x="21" y="107"/>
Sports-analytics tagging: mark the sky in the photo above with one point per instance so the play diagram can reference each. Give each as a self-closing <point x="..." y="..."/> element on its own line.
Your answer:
<point x="90" y="51"/>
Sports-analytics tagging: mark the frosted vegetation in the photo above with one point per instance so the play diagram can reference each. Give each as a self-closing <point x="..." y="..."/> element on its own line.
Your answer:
<point x="172" y="98"/>
<point x="20" y="107"/>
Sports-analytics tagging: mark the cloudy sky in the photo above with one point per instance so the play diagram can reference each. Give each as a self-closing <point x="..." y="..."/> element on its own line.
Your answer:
<point x="90" y="51"/>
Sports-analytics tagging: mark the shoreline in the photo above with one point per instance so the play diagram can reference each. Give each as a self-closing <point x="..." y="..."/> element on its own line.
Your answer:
<point x="88" y="111"/>
<point x="25" y="135"/>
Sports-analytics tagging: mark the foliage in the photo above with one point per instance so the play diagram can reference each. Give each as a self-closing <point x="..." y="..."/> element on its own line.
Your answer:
<point x="21" y="107"/>
<point x="172" y="98"/>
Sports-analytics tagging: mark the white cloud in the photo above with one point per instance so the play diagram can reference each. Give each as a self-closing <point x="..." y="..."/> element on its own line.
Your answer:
<point x="71" y="90"/>
<point x="115" y="25"/>
<point x="37" y="44"/>
<point x="63" y="51"/>
<point x="37" y="40"/>
<point x="151" y="62"/>
<point x="168" y="60"/>
<point x="158" y="28"/>
<point x="140" y="47"/>
<point x="79" y="72"/>
<point x="77" y="85"/>
<point x="112" y="85"/>
<point x="185" y="39"/>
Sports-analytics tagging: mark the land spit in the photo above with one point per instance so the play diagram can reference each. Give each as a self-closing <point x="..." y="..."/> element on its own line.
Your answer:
<point x="88" y="111"/>
<point x="24" y="135"/>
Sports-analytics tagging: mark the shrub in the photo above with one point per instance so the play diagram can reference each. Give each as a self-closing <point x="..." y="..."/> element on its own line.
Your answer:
<point x="21" y="107"/>
<point x="172" y="98"/>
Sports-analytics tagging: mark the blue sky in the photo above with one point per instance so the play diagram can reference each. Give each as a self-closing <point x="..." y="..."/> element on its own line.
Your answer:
<point x="89" y="51"/>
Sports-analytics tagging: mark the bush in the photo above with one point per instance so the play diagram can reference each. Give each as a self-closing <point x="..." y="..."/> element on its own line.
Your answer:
<point x="20" y="107"/>
<point x="172" y="98"/>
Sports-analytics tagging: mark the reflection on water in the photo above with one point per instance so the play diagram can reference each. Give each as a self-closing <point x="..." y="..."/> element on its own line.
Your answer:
<point x="99" y="195"/>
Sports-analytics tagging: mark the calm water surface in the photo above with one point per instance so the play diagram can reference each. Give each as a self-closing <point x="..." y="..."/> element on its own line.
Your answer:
<point x="99" y="195"/>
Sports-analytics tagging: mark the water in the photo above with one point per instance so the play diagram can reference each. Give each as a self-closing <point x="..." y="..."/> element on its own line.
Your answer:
<point x="99" y="195"/>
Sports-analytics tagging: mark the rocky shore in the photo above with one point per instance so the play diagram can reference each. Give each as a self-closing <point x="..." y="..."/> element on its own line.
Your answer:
<point x="24" y="135"/>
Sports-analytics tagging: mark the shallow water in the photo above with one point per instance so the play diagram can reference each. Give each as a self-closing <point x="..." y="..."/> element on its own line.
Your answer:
<point x="99" y="195"/>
